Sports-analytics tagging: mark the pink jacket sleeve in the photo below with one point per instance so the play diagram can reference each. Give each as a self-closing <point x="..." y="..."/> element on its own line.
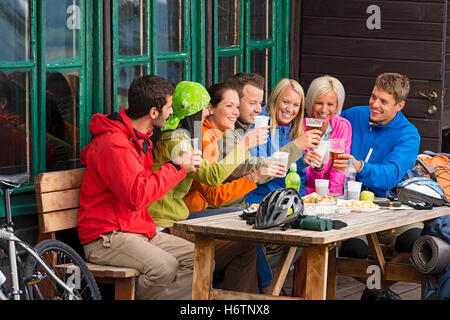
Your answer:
<point x="341" y="129"/>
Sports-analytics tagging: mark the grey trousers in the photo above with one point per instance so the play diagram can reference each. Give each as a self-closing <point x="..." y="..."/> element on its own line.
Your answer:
<point x="165" y="262"/>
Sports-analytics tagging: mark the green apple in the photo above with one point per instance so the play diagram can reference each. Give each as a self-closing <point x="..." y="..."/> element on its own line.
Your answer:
<point x="367" y="195"/>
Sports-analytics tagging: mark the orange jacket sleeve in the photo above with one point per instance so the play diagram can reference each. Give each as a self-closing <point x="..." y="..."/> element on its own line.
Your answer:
<point x="201" y="195"/>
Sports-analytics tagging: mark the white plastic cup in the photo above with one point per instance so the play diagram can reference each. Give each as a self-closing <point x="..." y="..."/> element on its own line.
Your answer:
<point x="261" y="121"/>
<point x="353" y="190"/>
<point x="322" y="150"/>
<point x="322" y="186"/>
<point x="282" y="157"/>
<point x="188" y="145"/>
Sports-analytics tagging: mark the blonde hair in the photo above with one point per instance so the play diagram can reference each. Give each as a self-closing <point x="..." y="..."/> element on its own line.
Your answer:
<point x="275" y="98"/>
<point x="321" y="86"/>
<point x="395" y="84"/>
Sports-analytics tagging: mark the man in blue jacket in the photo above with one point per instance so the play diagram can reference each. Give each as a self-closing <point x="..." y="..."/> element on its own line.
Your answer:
<point x="384" y="147"/>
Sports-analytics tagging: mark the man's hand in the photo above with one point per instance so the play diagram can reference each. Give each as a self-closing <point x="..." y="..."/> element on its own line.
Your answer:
<point x="270" y="169"/>
<point x="254" y="138"/>
<point x="342" y="162"/>
<point x="190" y="161"/>
<point x="308" y="139"/>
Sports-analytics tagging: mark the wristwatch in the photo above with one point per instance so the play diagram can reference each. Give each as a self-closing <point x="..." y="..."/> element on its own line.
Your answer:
<point x="319" y="168"/>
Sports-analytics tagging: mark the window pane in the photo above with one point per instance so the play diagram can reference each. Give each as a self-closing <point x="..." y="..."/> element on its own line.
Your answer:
<point x="260" y="19"/>
<point x="170" y="25"/>
<point x="15" y="30"/>
<point x="126" y="76"/>
<point x="172" y="70"/>
<point x="15" y="123"/>
<point x="62" y="120"/>
<point x="63" y="24"/>
<point x="132" y="27"/>
<point x="261" y="64"/>
<point x="228" y="14"/>
<point x="228" y="66"/>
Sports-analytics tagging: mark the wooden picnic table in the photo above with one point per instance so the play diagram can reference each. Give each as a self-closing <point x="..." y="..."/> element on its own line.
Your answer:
<point x="321" y="255"/>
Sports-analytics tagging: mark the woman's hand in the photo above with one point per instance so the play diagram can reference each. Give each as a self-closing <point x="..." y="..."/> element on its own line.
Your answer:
<point x="308" y="139"/>
<point x="312" y="159"/>
<point x="270" y="169"/>
<point x="254" y="138"/>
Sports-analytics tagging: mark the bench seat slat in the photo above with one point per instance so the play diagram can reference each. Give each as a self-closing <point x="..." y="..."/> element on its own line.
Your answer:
<point x="58" y="220"/>
<point x="104" y="271"/>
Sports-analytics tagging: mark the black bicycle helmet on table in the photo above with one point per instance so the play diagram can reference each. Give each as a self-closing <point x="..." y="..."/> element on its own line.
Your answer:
<point x="279" y="207"/>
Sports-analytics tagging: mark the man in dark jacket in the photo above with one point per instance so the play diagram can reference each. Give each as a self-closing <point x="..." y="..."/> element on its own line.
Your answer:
<point x="114" y="225"/>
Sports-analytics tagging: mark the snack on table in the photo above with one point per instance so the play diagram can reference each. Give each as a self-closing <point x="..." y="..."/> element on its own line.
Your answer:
<point x="325" y="199"/>
<point x="315" y="198"/>
<point x="358" y="204"/>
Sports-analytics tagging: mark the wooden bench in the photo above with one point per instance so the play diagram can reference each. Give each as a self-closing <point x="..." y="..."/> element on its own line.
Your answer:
<point x="57" y="196"/>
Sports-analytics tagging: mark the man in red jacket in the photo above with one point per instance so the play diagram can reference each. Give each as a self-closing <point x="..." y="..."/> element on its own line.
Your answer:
<point x="114" y="225"/>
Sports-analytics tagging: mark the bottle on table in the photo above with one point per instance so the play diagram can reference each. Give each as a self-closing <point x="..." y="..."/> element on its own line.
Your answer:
<point x="292" y="179"/>
<point x="350" y="175"/>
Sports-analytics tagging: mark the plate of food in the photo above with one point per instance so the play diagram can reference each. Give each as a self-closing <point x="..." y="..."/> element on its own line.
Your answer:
<point x="316" y="199"/>
<point x="358" y="205"/>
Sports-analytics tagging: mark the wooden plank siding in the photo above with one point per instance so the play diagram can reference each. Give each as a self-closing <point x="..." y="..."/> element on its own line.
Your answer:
<point x="446" y="112"/>
<point x="336" y="41"/>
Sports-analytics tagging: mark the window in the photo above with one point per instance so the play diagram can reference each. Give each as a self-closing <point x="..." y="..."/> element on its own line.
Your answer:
<point x="45" y="87"/>
<point x="18" y="79"/>
<point x="249" y="36"/>
<point x="152" y="37"/>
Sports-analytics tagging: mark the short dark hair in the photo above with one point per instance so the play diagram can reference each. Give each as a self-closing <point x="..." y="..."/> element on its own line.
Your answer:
<point x="217" y="90"/>
<point x="146" y="92"/>
<point x="240" y="79"/>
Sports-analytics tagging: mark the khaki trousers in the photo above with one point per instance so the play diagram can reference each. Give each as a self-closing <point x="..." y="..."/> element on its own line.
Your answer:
<point x="165" y="262"/>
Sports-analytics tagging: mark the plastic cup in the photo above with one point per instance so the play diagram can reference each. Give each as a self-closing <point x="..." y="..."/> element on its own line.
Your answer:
<point x="282" y="157"/>
<point x="261" y="121"/>
<point x="353" y="190"/>
<point x="312" y="123"/>
<point x="188" y="145"/>
<point x="322" y="150"/>
<point x="322" y="186"/>
<point x="337" y="147"/>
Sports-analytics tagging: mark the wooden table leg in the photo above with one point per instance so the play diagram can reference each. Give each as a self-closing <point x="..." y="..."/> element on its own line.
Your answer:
<point x="331" y="280"/>
<point x="203" y="267"/>
<point x="299" y="281"/>
<point x="316" y="272"/>
<point x="375" y="248"/>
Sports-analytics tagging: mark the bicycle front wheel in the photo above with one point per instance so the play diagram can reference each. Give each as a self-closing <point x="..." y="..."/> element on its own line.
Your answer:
<point x="68" y="266"/>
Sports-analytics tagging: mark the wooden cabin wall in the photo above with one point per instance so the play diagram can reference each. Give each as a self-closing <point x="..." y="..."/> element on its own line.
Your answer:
<point x="335" y="40"/>
<point x="446" y="112"/>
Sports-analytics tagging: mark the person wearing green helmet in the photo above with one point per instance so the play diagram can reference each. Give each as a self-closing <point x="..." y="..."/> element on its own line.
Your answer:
<point x="235" y="260"/>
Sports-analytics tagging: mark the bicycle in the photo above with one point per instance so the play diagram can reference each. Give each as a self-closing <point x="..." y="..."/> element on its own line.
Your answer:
<point x="52" y="269"/>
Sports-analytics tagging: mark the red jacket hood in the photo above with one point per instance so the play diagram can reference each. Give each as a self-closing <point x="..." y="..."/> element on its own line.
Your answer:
<point x="115" y="122"/>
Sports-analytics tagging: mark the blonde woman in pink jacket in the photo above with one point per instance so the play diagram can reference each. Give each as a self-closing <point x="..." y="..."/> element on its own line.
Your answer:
<point x="324" y="100"/>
